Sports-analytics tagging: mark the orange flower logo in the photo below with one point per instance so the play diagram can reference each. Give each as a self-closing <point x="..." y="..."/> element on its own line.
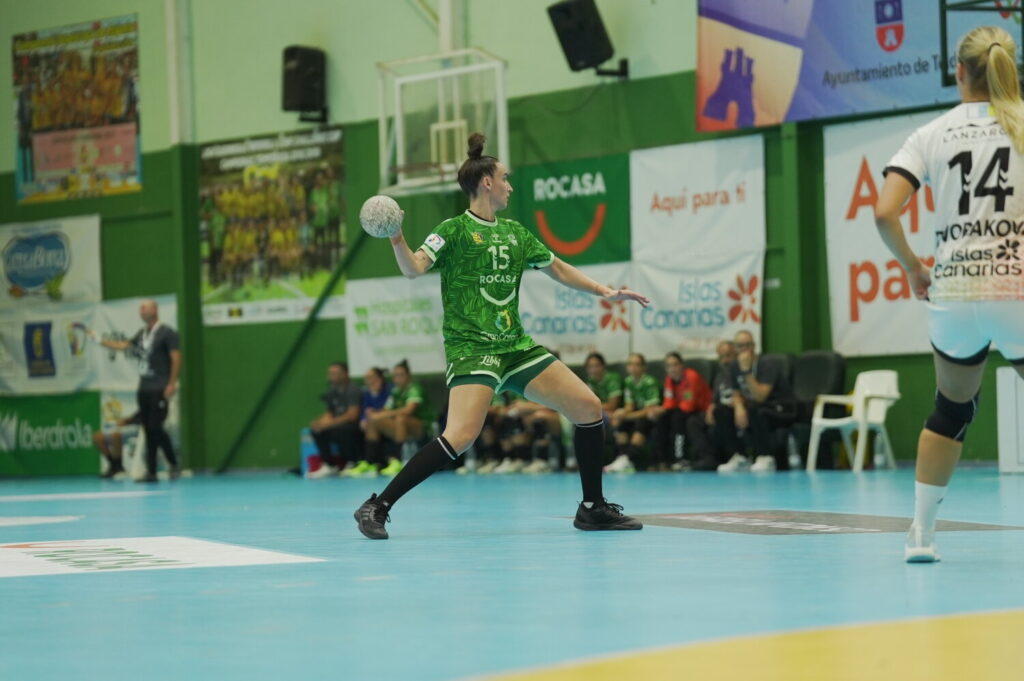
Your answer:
<point x="745" y="297"/>
<point x="614" y="316"/>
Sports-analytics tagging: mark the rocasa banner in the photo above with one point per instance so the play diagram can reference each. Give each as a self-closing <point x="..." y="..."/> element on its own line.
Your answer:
<point x="872" y="307"/>
<point x="393" y="318"/>
<point x="697" y="302"/>
<point x="574" y="323"/>
<point x="579" y="209"/>
<point x="50" y="261"/>
<point x="50" y="434"/>
<point x="763" y="62"/>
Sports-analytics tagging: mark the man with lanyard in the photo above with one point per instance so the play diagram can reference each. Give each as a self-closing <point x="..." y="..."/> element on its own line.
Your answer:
<point x="156" y="347"/>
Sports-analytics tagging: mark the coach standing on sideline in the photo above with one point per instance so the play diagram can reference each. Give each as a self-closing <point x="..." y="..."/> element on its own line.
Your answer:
<point x="156" y="347"/>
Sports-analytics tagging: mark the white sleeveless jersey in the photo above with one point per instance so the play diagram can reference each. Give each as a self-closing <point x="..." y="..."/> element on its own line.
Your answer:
<point x="978" y="180"/>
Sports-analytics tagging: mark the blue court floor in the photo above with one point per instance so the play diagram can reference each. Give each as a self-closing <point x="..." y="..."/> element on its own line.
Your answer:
<point x="482" y="576"/>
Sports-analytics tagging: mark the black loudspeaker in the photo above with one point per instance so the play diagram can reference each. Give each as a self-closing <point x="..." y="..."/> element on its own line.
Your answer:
<point x="304" y="86"/>
<point x="581" y="32"/>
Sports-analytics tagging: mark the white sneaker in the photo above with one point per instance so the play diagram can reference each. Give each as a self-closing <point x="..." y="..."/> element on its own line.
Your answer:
<point x="763" y="464"/>
<point x="487" y="467"/>
<point x="537" y="466"/>
<point x="920" y="546"/>
<point x="622" y="464"/>
<point x="509" y="465"/>
<point x="325" y="471"/>
<point x="738" y="462"/>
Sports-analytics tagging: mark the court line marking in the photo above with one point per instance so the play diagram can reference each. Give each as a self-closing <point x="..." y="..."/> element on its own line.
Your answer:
<point x="10" y="498"/>
<point x="9" y="521"/>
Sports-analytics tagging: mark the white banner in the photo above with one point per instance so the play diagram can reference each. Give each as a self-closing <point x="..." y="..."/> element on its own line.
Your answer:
<point x="50" y="261"/>
<point x="574" y="323"/>
<point x="264" y="311"/>
<point x="45" y="351"/>
<point x="697" y="302"/>
<point x="119" y="320"/>
<point x="872" y="308"/>
<point x="394" y="318"/>
<point x="697" y="199"/>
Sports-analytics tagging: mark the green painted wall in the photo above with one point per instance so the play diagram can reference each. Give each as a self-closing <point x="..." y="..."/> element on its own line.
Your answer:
<point x="656" y="35"/>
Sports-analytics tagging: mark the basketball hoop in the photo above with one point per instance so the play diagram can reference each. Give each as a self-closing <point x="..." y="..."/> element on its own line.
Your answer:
<point x="428" y="108"/>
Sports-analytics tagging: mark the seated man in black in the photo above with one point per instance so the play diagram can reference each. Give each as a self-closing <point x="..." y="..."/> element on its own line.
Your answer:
<point x="339" y="424"/>
<point x="761" y="401"/>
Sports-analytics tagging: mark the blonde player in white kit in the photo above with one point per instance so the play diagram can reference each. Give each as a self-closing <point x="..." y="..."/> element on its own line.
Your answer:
<point x="973" y="158"/>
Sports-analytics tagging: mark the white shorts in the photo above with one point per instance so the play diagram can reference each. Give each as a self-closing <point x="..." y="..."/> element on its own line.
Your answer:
<point x="962" y="331"/>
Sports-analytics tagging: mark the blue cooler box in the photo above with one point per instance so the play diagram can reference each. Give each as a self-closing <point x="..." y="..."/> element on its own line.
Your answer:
<point x="309" y="455"/>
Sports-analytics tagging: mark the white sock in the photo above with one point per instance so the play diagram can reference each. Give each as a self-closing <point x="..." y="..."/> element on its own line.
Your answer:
<point x="926" y="504"/>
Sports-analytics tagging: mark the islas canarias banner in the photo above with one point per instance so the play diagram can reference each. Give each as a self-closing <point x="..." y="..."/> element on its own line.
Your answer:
<point x="764" y="62"/>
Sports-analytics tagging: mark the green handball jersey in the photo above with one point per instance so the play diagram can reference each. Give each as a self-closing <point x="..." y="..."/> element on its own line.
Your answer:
<point x="608" y="387"/>
<point x="642" y="393"/>
<point x="481" y="264"/>
<point x="412" y="393"/>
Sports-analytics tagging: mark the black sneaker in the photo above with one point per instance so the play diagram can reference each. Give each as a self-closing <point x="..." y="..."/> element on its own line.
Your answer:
<point x="604" y="516"/>
<point x="174" y="472"/>
<point x="371" y="517"/>
<point x="112" y="470"/>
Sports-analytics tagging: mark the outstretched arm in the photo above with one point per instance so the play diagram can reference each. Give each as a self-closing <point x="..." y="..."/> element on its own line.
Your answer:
<point x="567" y="275"/>
<point x="111" y="344"/>
<point x="895" y="192"/>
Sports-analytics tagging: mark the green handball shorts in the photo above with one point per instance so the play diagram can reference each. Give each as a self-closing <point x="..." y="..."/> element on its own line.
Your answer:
<point x="511" y="371"/>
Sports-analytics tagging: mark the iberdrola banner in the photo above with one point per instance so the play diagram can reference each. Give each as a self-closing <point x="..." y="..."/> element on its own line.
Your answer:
<point x="579" y="209"/>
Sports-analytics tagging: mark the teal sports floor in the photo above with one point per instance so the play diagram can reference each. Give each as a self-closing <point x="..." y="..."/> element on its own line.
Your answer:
<point x="482" y="575"/>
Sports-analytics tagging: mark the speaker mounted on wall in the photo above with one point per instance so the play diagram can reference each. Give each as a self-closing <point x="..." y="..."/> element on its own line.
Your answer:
<point x="304" y="86"/>
<point x="584" y="38"/>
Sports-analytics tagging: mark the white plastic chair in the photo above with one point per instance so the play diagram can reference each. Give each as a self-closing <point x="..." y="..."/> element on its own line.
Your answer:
<point x="873" y="393"/>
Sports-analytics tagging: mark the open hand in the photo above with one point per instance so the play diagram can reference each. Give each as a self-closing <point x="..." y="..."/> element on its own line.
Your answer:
<point x="623" y="293"/>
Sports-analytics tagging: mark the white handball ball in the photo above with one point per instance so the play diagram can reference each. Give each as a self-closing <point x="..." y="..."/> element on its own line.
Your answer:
<point x="380" y="216"/>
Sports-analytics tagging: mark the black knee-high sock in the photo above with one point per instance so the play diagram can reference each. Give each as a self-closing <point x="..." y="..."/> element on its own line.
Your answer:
<point x="434" y="455"/>
<point x="588" y="441"/>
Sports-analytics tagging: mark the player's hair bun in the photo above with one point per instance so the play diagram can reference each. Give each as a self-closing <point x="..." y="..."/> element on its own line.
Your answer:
<point x="476" y="145"/>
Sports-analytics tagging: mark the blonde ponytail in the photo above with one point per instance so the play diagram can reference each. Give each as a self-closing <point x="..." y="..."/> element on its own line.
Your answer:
<point x="988" y="53"/>
<point x="1004" y="93"/>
